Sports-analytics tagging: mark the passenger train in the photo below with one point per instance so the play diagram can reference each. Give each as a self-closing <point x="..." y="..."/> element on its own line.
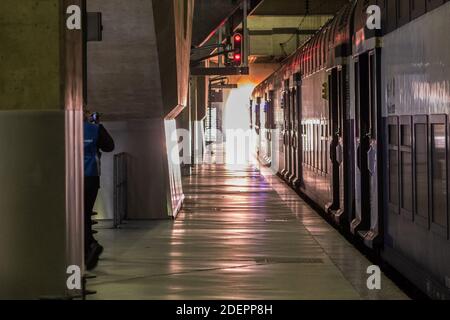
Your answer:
<point x="363" y="117"/>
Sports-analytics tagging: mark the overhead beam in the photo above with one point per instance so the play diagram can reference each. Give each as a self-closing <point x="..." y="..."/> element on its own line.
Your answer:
<point x="277" y="31"/>
<point x="299" y="7"/>
<point x="224" y="86"/>
<point x="216" y="71"/>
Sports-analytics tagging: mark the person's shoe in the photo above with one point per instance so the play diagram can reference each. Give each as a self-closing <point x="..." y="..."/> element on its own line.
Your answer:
<point x="99" y="248"/>
<point x="93" y="255"/>
<point x="91" y="260"/>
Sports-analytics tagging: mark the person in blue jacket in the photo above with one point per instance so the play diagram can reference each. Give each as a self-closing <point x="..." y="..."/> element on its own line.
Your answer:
<point x="96" y="140"/>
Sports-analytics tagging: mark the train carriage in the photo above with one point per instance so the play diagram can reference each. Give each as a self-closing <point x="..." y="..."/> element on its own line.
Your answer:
<point x="364" y="120"/>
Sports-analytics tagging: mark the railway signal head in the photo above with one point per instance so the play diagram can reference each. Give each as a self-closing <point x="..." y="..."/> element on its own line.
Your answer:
<point x="237" y="47"/>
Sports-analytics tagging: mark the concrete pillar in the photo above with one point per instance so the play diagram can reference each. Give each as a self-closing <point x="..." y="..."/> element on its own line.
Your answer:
<point x="199" y="93"/>
<point x="41" y="89"/>
<point x="138" y="79"/>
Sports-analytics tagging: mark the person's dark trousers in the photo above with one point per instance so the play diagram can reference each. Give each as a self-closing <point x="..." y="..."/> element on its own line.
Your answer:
<point x="91" y="186"/>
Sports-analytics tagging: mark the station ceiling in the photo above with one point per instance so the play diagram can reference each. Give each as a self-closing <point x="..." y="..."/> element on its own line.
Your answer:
<point x="299" y="7"/>
<point x="277" y="27"/>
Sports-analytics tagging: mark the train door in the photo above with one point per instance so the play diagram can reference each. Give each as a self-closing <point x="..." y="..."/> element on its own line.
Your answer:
<point x="294" y="133"/>
<point x="297" y="99"/>
<point x="270" y="125"/>
<point x="283" y="135"/>
<point x="335" y="154"/>
<point x="258" y="125"/>
<point x="287" y="132"/>
<point x="336" y="80"/>
<point x="263" y="131"/>
<point x="367" y="115"/>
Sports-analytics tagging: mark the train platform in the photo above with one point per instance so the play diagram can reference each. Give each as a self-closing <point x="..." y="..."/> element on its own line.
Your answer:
<point x="243" y="234"/>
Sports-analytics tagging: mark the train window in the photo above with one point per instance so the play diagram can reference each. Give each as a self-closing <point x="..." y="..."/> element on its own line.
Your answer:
<point x="324" y="147"/>
<point x="294" y="106"/>
<point x="391" y="15"/>
<point x="357" y="106"/>
<point x="406" y="166"/>
<point x="393" y="165"/>
<point x="433" y="4"/>
<point x="303" y="143"/>
<point x="309" y="145"/>
<point x="314" y="149"/>
<point x="418" y="8"/>
<point x="373" y="94"/>
<point x="393" y="177"/>
<point x="439" y="174"/>
<point x="272" y="110"/>
<point x="393" y="134"/>
<point x="258" y="114"/>
<point x="403" y="11"/>
<point x="319" y="148"/>
<point x="406" y="135"/>
<point x="421" y="184"/>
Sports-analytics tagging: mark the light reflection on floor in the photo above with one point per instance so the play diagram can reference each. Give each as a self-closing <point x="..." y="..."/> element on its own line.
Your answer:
<point x="241" y="235"/>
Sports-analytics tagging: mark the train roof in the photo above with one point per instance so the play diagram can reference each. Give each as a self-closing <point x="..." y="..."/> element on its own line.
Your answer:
<point x="329" y="42"/>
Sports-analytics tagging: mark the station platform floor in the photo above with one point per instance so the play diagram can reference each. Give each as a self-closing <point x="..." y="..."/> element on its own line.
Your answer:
<point x="242" y="234"/>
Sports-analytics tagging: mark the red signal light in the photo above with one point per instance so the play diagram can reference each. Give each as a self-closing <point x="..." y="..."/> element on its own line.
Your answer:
<point x="237" y="48"/>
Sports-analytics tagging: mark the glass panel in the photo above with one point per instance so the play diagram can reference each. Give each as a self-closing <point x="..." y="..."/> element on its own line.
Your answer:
<point x="308" y="138"/>
<point x="421" y="140"/>
<point x="393" y="135"/>
<point x="315" y="146"/>
<point x="439" y="193"/>
<point x="393" y="176"/>
<point x="406" y="194"/>
<point x="357" y="88"/>
<point x="373" y="97"/>
<point x="406" y="135"/>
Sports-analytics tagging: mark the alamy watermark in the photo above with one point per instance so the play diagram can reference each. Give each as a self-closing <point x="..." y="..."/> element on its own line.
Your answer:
<point x="74" y="277"/>
<point x="374" y="279"/>
<point x="373" y="17"/>
<point x="73" y="21"/>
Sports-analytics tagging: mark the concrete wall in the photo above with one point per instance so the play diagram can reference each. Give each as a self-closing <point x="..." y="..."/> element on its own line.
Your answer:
<point x="145" y="189"/>
<point x="174" y="38"/>
<point x="30" y="61"/>
<point x="123" y="69"/>
<point x="40" y="142"/>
